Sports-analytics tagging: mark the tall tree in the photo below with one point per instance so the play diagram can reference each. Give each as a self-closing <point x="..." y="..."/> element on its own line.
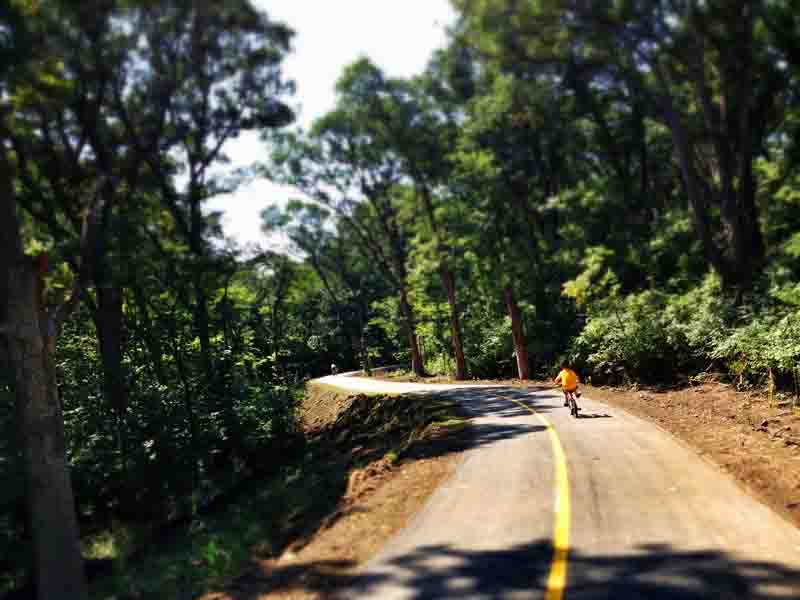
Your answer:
<point x="212" y="72"/>
<point x="89" y="143"/>
<point x="696" y="63"/>
<point x="404" y="117"/>
<point x="342" y="166"/>
<point x="28" y="329"/>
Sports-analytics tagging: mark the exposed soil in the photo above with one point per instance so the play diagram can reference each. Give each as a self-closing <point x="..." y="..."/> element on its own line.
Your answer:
<point x="382" y="496"/>
<point x="757" y="443"/>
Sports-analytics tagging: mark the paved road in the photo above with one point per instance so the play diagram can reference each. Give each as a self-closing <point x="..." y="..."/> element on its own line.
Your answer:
<point x="649" y="519"/>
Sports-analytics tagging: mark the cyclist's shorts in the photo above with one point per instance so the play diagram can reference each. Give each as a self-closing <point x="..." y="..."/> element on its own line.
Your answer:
<point x="570" y="389"/>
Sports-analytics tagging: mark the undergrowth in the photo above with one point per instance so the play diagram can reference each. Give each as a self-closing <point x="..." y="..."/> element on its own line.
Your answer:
<point x="269" y="515"/>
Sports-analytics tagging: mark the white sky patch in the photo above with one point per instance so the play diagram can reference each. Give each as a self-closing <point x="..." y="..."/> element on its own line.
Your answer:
<point x="399" y="37"/>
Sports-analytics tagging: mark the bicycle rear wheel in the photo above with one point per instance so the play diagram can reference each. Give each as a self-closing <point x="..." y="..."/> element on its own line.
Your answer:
<point x="573" y="406"/>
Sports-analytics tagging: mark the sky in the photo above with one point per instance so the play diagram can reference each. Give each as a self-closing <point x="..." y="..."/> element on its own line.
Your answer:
<point x="397" y="36"/>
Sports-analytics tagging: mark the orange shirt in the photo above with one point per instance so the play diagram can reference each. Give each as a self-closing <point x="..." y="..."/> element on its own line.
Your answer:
<point x="569" y="379"/>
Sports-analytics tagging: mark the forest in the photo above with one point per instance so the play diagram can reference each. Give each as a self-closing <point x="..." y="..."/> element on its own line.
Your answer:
<point x="612" y="183"/>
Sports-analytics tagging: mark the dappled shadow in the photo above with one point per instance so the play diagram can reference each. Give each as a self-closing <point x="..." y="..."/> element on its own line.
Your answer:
<point x="478" y="404"/>
<point x="318" y="576"/>
<point x="653" y="572"/>
<point x="484" y="407"/>
<point x="498" y="401"/>
<point x="583" y="415"/>
<point x="475" y="436"/>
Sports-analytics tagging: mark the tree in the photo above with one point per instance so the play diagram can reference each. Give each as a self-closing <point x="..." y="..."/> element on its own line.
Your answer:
<point x="404" y="118"/>
<point x="696" y="64"/>
<point x="213" y="71"/>
<point x="511" y="159"/>
<point x="342" y="166"/>
<point x="96" y="129"/>
<point x="334" y="258"/>
<point x="28" y="330"/>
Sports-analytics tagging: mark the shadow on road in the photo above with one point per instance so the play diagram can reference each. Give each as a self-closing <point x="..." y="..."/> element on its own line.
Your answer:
<point x="475" y="436"/>
<point x="656" y="572"/>
<point x="478" y="403"/>
<point x="584" y="415"/>
<point x="497" y="401"/>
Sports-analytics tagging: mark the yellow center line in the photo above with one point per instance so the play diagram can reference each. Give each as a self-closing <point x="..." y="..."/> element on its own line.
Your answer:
<point x="557" y="579"/>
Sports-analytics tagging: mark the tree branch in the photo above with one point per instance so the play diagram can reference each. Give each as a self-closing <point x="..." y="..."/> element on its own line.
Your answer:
<point x="89" y="233"/>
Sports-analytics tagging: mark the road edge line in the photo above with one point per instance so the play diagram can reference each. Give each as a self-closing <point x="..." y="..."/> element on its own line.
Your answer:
<point x="557" y="578"/>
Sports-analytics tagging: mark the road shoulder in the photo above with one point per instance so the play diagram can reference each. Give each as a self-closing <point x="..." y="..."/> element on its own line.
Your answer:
<point x="758" y="444"/>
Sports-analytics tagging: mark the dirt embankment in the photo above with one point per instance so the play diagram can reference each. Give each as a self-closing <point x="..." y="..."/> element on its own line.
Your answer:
<point x="389" y="454"/>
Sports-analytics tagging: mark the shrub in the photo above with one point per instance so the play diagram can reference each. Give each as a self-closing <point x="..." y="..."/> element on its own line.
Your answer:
<point x="656" y="337"/>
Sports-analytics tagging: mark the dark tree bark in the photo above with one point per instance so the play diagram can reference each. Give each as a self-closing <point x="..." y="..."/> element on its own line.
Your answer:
<point x="516" y="331"/>
<point x="29" y="336"/>
<point x="411" y="331"/>
<point x="716" y="147"/>
<point x="448" y="282"/>
<point x="109" y="321"/>
<point x="197" y="244"/>
<point x="151" y="337"/>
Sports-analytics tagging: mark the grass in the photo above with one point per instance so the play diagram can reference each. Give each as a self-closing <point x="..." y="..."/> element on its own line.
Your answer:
<point x="273" y="513"/>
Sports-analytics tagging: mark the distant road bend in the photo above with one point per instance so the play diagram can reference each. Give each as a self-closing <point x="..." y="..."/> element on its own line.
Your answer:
<point x="607" y="506"/>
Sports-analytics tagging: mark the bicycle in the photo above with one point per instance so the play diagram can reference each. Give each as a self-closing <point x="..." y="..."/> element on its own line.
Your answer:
<point x="570" y="401"/>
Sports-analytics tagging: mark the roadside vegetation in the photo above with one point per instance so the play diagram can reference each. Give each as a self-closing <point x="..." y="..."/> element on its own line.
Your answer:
<point x="613" y="183"/>
<point x="352" y="440"/>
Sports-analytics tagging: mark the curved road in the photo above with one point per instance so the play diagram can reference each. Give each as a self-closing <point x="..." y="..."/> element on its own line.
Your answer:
<point x="645" y="517"/>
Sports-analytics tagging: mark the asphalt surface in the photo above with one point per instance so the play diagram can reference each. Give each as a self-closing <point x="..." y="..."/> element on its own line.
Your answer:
<point x="649" y="519"/>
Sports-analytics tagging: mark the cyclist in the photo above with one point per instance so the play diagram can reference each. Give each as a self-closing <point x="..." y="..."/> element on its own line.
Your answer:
<point x="569" y="381"/>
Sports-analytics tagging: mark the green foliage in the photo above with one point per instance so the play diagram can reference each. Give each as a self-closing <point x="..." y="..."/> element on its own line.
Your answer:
<point x="268" y="513"/>
<point x="597" y="282"/>
<point x="631" y="341"/>
<point x="658" y="337"/>
<point x="769" y="343"/>
<point x="529" y="156"/>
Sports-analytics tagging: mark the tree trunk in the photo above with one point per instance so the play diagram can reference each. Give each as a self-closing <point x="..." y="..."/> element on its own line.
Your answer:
<point x="742" y="253"/>
<point x="362" y="319"/>
<point x="411" y="331"/>
<point x="110" y="323"/>
<point x="736" y="249"/>
<point x="516" y="330"/>
<point x="151" y="338"/>
<point x="196" y="242"/>
<point x="201" y="325"/>
<point x="365" y="362"/>
<point x="448" y="282"/>
<point x="58" y="564"/>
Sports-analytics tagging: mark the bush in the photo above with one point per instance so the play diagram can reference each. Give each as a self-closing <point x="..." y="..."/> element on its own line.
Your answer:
<point x="770" y="343"/>
<point x="633" y="341"/>
<point x="488" y="345"/>
<point x="655" y="337"/>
